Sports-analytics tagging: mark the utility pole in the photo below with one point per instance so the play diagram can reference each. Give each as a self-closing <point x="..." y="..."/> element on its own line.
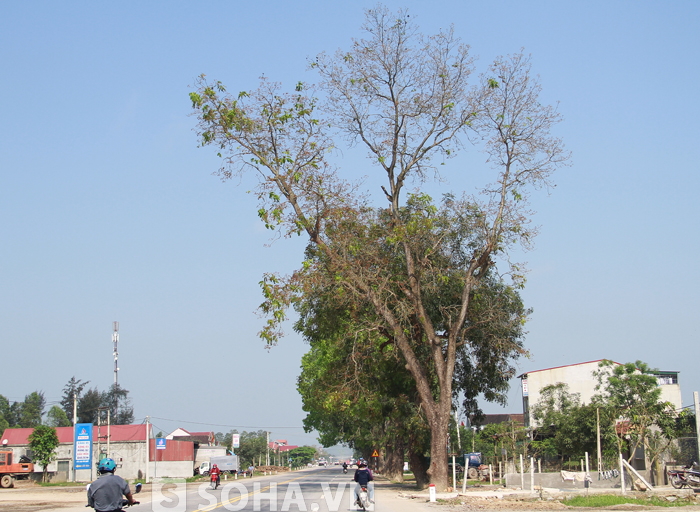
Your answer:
<point x="697" y="419"/>
<point x="99" y="436"/>
<point x="99" y="422"/>
<point x="109" y="432"/>
<point x="600" y="453"/>
<point x="267" y="460"/>
<point x="459" y="440"/>
<point x="148" y="446"/>
<point x="75" y="419"/>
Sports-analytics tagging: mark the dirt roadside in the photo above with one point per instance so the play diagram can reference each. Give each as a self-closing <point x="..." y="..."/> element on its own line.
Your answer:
<point x="405" y="498"/>
<point x="390" y="497"/>
<point x="30" y="497"/>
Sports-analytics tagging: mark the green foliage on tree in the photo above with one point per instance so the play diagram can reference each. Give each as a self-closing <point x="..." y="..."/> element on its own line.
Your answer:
<point x="253" y="447"/>
<point x="73" y="388"/>
<point x="356" y="389"/>
<point x="89" y="405"/>
<point x="94" y="403"/>
<point x="25" y="414"/>
<point x="43" y="442"/>
<point x="119" y="403"/>
<point x="408" y="100"/>
<point x="5" y="414"/>
<point x="566" y="428"/>
<point x="631" y="397"/>
<point x="685" y="452"/>
<point x="56" y="417"/>
<point x="302" y="455"/>
<point x="32" y="409"/>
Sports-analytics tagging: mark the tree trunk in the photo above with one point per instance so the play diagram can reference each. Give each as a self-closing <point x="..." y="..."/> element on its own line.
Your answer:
<point x="439" y="434"/>
<point x="393" y="460"/>
<point x="419" y="466"/>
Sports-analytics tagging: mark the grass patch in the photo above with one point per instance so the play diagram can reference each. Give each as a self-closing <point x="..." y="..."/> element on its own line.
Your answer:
<point x="609" y="500"/>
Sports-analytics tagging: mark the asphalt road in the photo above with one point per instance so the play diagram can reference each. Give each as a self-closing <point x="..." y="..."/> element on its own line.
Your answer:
<point x="314" y="490"/>
<point x="310" y="490"/>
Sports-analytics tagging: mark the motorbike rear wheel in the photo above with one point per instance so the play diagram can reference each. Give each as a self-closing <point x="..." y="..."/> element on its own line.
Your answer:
<point x="676" y="481"/>
<point x="363" y="500"/>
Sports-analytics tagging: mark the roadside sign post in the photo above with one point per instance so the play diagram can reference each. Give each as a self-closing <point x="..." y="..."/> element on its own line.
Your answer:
<point x="160" y="445"/>
<point x="82" y="449"/>
<point x="375" y="456"/>
<point x="235" y="441"/>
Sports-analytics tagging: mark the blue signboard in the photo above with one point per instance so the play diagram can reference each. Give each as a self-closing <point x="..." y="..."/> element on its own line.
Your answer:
<point x="160" y="443"/>
<point x="83" y="446"/>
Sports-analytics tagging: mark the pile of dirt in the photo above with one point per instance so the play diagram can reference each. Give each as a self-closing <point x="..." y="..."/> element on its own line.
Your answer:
<point x="267" y="469"/>
<point x="467" y="503"/>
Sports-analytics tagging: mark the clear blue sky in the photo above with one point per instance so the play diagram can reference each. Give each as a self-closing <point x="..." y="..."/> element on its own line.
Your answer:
<point x="109" y="211"/>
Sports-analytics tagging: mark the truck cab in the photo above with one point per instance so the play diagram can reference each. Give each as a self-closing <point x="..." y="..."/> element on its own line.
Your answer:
<point x="204" y="468"/>
<point x="9" y="469"/>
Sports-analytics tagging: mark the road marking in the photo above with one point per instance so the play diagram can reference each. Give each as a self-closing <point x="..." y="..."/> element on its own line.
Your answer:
<point x="238" y="498"/>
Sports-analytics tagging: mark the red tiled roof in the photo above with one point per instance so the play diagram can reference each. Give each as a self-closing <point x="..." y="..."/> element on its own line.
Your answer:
<point x="274" y="445"/>
<point x="118" y="433"/>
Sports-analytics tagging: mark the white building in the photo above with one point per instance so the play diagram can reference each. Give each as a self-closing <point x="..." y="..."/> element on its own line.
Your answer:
<point x="579" y="378"/>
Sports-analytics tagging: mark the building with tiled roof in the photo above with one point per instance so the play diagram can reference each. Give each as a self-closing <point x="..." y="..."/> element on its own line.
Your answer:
<point x="126" y="444"/>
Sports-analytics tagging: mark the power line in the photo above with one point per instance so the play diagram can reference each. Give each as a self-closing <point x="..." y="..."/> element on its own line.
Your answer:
<point x="221" y="425"/>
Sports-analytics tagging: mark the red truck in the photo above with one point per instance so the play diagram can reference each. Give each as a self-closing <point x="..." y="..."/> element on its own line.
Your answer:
<point x="10" y="470"/>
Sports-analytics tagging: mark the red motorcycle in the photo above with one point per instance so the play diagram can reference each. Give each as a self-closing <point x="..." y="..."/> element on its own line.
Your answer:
<point x="689" y="476"/>
<point x="215" y="478"/>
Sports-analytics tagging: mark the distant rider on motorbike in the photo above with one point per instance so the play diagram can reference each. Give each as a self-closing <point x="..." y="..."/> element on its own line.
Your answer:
<point x="215" y="474"/>
<point x="105" y="493"/>
<point x="364" y="478"/>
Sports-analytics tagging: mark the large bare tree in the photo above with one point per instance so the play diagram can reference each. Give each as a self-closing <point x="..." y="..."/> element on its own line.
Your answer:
<point x="407" y="99"/>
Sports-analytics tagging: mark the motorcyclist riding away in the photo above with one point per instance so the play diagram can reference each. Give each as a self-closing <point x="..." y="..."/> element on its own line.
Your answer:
<point x="364" y="478"/>
<point x="105" y="493"/>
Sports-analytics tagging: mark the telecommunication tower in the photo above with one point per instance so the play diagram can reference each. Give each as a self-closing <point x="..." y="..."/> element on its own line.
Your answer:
<point x="115" y="340"/>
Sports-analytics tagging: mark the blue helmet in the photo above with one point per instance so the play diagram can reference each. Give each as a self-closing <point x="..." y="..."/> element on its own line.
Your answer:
<point x="106" y="465"/>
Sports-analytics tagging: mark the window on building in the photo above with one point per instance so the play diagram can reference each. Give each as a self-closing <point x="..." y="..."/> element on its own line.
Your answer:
<point x="666" y="379"/>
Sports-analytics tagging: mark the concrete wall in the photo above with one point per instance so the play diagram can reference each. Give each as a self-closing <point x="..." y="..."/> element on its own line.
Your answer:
<point x="130" y="457"/>
<point x="579" y="378"/>
<point x="672" y="393"/>
<point x="554" y="480"/>
<point x="206" y="452"/>
<point x="171" y="469"/>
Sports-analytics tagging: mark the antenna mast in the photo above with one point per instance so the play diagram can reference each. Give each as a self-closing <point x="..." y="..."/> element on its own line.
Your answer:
<point x="115" y="340"/>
